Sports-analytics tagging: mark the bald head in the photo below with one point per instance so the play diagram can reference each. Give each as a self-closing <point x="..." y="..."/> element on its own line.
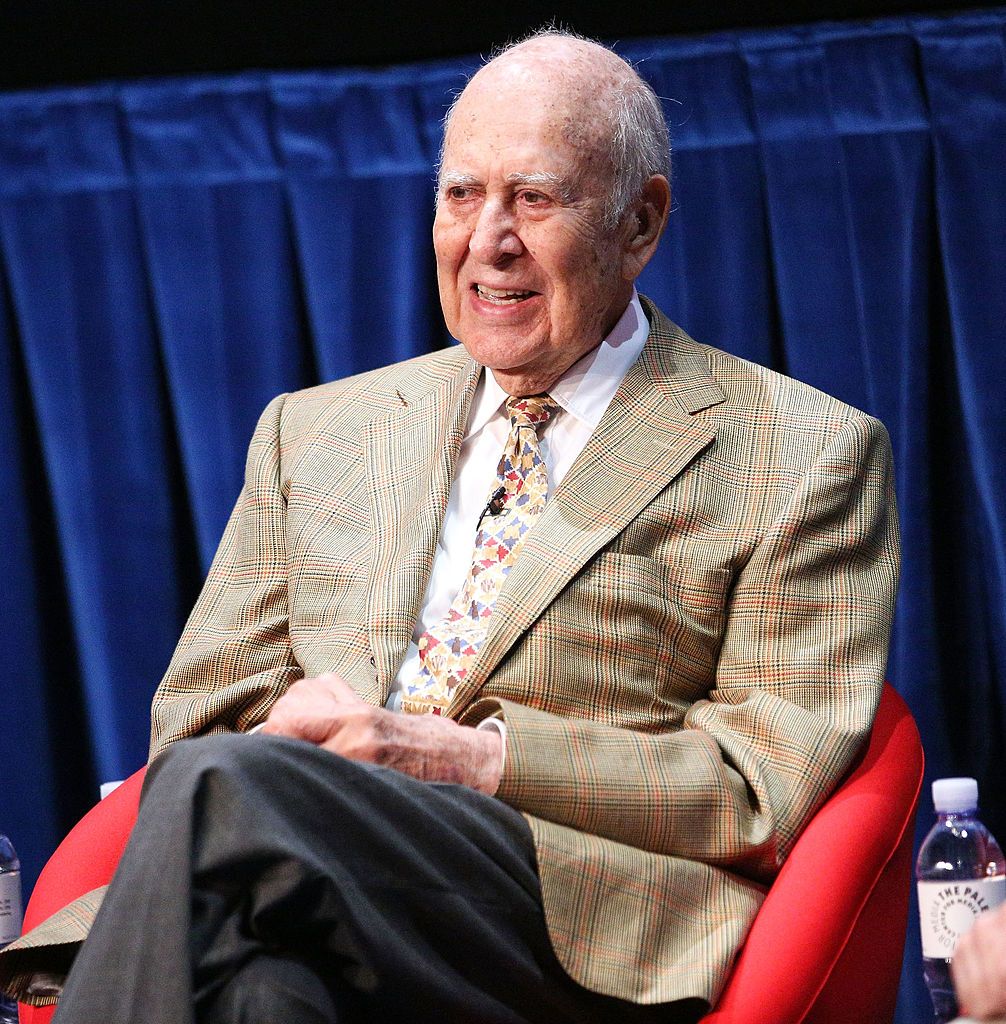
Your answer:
<point x="578" y="83"/>
<point x="579" y="71"/>
<point x="594" y="97"/>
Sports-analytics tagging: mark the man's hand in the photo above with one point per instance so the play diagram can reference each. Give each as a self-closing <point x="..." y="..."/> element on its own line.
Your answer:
<point x="979" y="967"/>
<point x="327" y="712"/>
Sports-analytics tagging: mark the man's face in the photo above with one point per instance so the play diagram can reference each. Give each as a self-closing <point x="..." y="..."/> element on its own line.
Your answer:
<point x="530" y="279"/>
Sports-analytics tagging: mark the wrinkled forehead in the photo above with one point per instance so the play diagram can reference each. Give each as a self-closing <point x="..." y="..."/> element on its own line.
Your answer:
<point x="506" y="103"/>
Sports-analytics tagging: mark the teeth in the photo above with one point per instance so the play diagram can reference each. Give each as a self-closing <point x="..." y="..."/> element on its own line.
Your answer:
<point x="499" y="296"/>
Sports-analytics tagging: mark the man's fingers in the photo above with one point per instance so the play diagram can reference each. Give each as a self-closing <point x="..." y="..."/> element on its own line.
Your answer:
<point x="306" y="710"/>
<point x="326" y="711"/>
<point x="339" y="688"/>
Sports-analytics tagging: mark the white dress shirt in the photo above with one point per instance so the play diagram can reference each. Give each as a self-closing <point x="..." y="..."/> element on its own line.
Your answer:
<point x="582" y="394"/>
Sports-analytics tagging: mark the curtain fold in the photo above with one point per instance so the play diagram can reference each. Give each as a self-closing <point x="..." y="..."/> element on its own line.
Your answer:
<point x="173" y="253"/>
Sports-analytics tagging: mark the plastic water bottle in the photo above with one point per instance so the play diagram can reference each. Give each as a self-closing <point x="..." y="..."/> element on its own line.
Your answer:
<point x="960" y="876"/>
<point x="10" y="913"/>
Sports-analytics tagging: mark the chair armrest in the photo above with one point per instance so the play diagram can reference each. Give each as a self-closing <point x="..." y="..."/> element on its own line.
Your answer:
<point x="87" y="857"/>
<point x="808" y="921"/>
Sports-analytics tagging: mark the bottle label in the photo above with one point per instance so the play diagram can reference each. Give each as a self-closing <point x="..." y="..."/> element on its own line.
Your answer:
<point x="10" y="906"/>
<point x="948" y="909"/>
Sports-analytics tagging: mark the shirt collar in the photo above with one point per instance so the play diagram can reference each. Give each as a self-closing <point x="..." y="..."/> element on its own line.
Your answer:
<point x="588" y="386"/>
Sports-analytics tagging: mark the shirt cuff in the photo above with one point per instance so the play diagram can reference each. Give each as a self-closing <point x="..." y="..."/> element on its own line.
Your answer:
<point x="500" y="726"/>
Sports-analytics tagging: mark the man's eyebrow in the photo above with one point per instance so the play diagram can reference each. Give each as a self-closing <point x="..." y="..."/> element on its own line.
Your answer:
<point x="547" y="178"/>
<point x="449" y="179"/>
<point x="530" y="179"/>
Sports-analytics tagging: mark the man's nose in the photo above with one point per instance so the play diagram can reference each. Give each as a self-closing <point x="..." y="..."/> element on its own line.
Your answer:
<point x="494" y="234"/>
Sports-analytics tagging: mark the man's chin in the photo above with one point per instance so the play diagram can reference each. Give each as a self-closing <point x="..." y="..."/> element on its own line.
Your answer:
<point x="504" y="349"/>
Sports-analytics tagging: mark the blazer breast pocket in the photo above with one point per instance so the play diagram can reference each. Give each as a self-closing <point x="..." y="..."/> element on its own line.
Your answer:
<point x="630" y="640"/>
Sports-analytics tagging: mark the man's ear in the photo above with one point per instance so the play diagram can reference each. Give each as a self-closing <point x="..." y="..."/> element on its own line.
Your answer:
<point x="644" y="225"/>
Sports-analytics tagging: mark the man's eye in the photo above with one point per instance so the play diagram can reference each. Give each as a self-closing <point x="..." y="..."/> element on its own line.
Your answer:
<point x="533" y="198"/>
<point x="459" y="193"/>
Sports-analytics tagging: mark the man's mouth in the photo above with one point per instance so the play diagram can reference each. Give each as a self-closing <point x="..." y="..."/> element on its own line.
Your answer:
<point x="501" y="296"/>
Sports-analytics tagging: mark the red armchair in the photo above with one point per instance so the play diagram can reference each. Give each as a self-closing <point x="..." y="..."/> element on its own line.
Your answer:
<point x="826" y="946"/>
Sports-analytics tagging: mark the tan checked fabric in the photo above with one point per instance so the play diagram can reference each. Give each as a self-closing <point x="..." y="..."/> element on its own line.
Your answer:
<point x="448" y="650"/>
<point x="687" y="654"/>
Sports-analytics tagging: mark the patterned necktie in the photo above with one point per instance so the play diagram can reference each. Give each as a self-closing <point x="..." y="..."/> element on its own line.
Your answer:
<point x="448" y="649"/>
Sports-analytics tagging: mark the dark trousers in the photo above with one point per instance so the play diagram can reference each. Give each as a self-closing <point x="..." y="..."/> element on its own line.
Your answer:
<point x="268" y="880"/>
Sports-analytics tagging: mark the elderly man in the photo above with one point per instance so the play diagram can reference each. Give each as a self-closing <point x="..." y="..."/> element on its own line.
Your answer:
<point x="553" y="642"/>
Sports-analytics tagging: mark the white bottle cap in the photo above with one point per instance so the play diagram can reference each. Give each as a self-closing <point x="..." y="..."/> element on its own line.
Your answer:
<point x="955" y="795"/>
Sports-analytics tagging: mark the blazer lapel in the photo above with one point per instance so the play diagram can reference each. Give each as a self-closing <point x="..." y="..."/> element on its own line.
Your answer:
<point x="647" y="436"/>
<point x="410" y="456"/>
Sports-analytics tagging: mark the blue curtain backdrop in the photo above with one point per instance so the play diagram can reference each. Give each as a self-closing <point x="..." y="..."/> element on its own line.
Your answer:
<point x="174" y="253"/>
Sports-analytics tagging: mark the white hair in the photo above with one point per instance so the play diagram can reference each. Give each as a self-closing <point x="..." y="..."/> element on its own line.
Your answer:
<point x="640" y="142"/>
<point x="640" y="146"/>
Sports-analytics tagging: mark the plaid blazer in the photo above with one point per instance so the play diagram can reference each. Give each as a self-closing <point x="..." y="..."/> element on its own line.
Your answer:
<point x="687" y="655"/>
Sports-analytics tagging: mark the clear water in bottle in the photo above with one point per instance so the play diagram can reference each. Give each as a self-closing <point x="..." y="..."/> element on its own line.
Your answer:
<point x="10" y="913"/>
<point x="960" y="876"/>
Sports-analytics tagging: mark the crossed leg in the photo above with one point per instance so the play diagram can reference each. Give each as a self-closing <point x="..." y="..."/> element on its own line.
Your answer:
<point x="269" y="880"/>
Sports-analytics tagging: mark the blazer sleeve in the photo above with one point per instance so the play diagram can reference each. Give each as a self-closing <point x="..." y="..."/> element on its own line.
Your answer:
<point x="234" y="657"/>
<point x="797" y="683"/>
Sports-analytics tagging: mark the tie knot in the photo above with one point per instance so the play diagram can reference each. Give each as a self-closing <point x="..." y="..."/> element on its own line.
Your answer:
<point x="531" y="411"/>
